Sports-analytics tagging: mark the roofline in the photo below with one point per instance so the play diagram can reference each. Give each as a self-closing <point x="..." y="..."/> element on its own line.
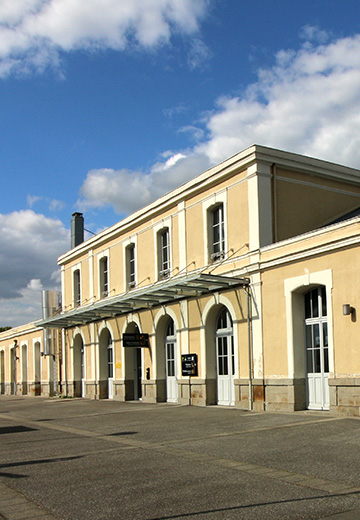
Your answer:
<point x="240" y="160"/>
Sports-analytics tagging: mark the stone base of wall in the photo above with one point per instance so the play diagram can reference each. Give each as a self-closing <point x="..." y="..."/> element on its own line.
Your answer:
<point x="285" y="395"/>
<point x="345" y="396"/>
<point x="34" y="388"/>
<point x="277" y="395"/>
<point x="153" y="391"/>
<point x="47" y="389"/>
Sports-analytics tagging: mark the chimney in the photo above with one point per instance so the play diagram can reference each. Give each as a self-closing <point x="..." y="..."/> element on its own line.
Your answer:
<point x="77" y="229"/>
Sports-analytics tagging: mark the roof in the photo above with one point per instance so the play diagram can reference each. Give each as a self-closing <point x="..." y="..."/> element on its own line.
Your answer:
<point x="163" y="292"/>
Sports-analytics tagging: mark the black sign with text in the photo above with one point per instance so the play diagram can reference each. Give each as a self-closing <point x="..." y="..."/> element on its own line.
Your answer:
<point x="189" y="365"/>
<point x="136" y="340"/>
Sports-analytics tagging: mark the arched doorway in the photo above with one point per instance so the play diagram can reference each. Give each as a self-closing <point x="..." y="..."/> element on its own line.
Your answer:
<point x="170" y="362"/>
<point x="37" y="368"/>
<point x="2" y="372"/>
<point x="225" y="358"/>
<point x="79" y="366"/>
<point x="133" y="368"/>
<point x="106" y="365"/>
<point x="24" y="370"/>
<point x="317" y="349"/>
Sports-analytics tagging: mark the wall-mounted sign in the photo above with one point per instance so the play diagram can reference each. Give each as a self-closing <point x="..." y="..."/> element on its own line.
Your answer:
<point x="136" y="340"/>
<point x="189" y="365"/>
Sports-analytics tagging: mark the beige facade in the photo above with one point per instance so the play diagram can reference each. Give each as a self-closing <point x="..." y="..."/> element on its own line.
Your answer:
<point x="24" y="369"/>
<point x="246" y="268"/>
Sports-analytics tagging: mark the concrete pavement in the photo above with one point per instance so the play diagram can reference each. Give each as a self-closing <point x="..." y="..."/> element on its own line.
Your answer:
<point x="73" y="459"/>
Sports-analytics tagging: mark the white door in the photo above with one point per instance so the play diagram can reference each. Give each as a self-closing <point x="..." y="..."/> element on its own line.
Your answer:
<point x="110" y="378"/>
<point x="317" y="350"/>
<point x="170" y="352"/>
<point x="225" y="360"/>
<point x="82" y="370"/>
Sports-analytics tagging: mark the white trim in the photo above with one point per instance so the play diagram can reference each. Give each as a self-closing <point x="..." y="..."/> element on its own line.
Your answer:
<point x="167" y="311"/>
<point x="260" y="205"/>
<point x="158" y="228"/>
<point x="208" y="205"/>
<point x="257" y="326"/>
<point x="22" y="345"/>
<point x="132" y="240"/>
<point x="78" y="332"/>
<point x="34" y="342"/>
<point x="319" y="186"/>
<point x="181" y="215"/>
<point x="311" y="251"/>
<point x="222" y="300"/>
<point x="76" y="267"/>
<point x="292" y="285"/>
<point x="99" y="258"/>
<point x="91" y="276"/>
<point x="63" y="295"/>
<point x="216" y="174"/>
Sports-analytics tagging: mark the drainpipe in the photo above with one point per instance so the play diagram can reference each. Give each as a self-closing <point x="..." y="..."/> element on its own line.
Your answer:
<point x="247" y="290"/>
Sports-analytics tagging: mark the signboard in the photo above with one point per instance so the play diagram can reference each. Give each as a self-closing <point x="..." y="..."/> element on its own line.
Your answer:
<point x="136" y="340"/>
<point x="189" y="365"/>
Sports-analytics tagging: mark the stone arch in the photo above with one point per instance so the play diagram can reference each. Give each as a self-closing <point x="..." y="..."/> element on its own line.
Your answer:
<point x="295" y="290"/>
<point x="106" y="363"/>
<point x="161" y="322"/>
<point x="37" y="368"/>
<point x="208" y="341"/>
<point x="133" y="363"/>
<point x="78" y="364"/>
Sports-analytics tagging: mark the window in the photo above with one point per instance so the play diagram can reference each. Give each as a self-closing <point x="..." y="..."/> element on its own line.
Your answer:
<point x="316" y="331"/>
<point x="77" y="288"/>
<point x="164" y="253"/>
<point x="217" y="233"/>
<point x="130" y="266"/>
<point x="104" y="277"/>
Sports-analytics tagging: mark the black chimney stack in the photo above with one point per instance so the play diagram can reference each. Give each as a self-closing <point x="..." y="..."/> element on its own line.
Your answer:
<point x="77" y="229"/>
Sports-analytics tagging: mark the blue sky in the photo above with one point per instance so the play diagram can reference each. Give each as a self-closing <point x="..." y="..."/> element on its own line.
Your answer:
<point x="107" y="104"/>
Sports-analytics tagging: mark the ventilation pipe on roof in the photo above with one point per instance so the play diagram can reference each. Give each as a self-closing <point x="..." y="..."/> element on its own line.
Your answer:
<point x="77" y="229"/>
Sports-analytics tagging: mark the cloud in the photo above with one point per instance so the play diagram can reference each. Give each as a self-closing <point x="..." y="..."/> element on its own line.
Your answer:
<point x="29" y="247"/>
<point x="199" y="54"/>
<point x="126" y="191"/>
<point x="307" y="102"/>
<point x="34" y="33"/>
<point x="52" y="204"/>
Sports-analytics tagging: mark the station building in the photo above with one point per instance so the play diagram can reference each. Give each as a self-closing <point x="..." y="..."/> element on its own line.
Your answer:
<point x="238" y="288"/>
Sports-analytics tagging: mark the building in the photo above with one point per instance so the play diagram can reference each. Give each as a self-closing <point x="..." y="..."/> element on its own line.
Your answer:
<point x="237" y="288"/>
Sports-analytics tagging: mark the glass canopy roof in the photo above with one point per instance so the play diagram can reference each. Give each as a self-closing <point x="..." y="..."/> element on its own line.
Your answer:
<point x="166" y="291"/>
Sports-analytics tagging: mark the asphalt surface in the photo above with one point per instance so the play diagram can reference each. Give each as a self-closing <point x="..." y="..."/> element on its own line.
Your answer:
<point x="75" y="459"/>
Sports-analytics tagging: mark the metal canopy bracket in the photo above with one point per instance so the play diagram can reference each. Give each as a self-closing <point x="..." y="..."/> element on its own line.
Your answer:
<point x="159" y="293"/>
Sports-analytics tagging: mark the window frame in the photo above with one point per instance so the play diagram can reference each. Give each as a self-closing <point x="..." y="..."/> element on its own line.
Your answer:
<point x="76" y="287"/>
<point x="211" y="206"/>
<point x="130" y="260"/>
<point x="104" y="279"/>
<point x="164" y="253"/>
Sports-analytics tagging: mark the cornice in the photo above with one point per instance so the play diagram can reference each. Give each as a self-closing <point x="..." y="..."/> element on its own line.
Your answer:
<point x="253" y="155"/>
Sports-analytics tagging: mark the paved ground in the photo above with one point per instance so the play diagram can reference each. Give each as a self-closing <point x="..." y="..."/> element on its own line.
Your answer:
<point x="74" y="459"/>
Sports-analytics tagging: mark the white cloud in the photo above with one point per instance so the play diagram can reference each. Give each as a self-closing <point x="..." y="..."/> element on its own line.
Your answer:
<point x="199" y="54"/>
<point x="29" y="247"/>
<point x="33" y="33"/>
<point x="307" y="102"/>
<point x="126" y="191"/>
<point x="52" y="204"/>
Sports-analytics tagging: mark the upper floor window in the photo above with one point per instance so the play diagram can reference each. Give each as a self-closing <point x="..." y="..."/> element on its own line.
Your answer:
<point x="217" y="233"/>
<point x="104" y="277"/>
<point x="164" y="253"/>
<point x="77" y="287"/>
<point x="130" y="266"/>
